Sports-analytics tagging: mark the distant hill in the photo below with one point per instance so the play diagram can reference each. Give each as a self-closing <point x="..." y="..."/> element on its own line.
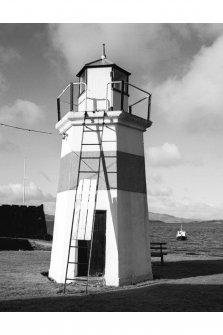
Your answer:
<point x="168" y="218"/>
<point x="49" y="223"/>
<point x="154" y="217"/>
<point x="157" y="217"/>
<point x="49" y="217"/>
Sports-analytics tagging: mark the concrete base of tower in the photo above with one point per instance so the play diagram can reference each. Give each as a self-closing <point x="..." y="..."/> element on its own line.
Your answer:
<point x="128" y="280"/>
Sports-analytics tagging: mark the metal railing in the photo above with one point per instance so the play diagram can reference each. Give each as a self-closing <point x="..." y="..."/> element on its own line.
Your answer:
<point x="122" y="91"/>
<point x="109" y="104"/>
<point x="72" y="104"/>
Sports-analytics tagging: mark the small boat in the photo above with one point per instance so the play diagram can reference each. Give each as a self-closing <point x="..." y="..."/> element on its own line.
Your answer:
<point x="181" y="234"/>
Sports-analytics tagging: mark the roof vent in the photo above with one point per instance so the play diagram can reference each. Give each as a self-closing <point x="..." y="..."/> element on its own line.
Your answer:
<point x="103" y="52"/>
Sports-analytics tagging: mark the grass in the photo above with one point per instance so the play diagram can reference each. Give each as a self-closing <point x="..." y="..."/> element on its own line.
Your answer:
<point x="183" y="283"/>
<point x="21" y="277"/>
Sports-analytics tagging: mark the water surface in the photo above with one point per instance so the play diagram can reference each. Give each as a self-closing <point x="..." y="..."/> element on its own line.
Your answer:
<point x="202" y="237"/>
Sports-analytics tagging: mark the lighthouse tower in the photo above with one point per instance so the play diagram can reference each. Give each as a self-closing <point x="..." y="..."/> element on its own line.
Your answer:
<point x="101" y="206"/>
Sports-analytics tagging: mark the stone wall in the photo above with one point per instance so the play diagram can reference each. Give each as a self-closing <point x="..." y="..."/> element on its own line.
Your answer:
<point x="23" y="221"/>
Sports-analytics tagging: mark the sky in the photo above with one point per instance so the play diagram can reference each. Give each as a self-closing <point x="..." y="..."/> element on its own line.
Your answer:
<point x="180" y="64"/>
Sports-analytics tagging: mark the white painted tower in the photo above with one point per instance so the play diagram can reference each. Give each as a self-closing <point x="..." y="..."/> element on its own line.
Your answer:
<point x="121" y="246"/>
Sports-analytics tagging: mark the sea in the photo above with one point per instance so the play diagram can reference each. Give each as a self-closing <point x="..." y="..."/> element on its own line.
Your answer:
<point x="202" y="237"/>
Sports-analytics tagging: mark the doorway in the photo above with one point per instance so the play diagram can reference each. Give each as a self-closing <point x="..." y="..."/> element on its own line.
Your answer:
<point x="97" y="267"/>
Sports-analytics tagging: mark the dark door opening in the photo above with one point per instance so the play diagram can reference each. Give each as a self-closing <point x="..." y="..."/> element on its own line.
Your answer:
<point x="97" y="267"/>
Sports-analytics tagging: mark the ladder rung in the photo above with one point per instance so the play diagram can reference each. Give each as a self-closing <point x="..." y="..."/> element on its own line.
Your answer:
<point x="92" y="130"/>
<point x="77" y="263"/>
<point x="80" y="279"/>
<point x="90" y="157"/>
<point x="108" y="141"/>
<point x="79" y="247"/>
<point x="88" y="171"/>
<point x="91" y="143"/>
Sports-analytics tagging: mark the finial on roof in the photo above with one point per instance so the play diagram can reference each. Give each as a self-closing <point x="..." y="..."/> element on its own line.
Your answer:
<point x="103" y="52"/>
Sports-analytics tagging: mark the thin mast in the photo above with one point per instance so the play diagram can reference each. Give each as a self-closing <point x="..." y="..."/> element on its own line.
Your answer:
<point x="103" y="56"/>
<point x="24" y="182"/>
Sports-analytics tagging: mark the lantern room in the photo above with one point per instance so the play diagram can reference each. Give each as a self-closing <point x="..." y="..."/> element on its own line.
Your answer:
<point x="96" y="80"/>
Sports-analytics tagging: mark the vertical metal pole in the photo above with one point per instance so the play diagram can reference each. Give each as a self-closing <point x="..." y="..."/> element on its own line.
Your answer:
<point x="161" y="252"/>
<point x="112" y="98"/>
<point x="71" y="97"/>
<point x="58" y="109"/>
<point x="24" y="182"/>
<point x="122" y="94"/>
<point x="149" y="106"/>
<point x="130" y="109"/>
<point x="112" y="92"/>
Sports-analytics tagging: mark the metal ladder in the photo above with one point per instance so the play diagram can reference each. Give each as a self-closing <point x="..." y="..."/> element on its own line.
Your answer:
<point x="99" y="128"/>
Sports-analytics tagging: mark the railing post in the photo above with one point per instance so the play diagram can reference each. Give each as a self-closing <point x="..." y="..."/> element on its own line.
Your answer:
<point x="149" y="106"/>
<point x="71" y="96"/>
<point x="58" y="109"/>
<point x="161" y="252"/>
<point x="122" y="95"/>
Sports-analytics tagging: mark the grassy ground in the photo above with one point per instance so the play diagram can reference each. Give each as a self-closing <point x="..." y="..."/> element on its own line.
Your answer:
<point x="183" y="283"/>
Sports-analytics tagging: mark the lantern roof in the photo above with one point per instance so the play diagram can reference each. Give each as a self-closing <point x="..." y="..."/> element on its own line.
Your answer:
<point x="102" y="62"/>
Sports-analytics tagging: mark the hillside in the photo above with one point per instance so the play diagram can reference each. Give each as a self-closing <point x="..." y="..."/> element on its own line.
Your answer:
<point x="174" y="219"/>
<point x="49" y="223"/>
<point x="154" y="217"/>
<point x="168" y="218"/>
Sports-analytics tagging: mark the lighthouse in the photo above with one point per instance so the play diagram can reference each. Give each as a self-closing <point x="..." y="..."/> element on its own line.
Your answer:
<point x="101" y="219"/>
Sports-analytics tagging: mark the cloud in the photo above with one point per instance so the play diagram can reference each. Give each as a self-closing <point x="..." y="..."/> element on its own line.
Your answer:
<point x="8" y="55"/>
<point x="190" y="210"/>
<point x="155" y="178"/>
<point x="8" y="146"/>
<point x="203" y="31"/>
<point x="162" y="199"/>
<point x="21" y="112"/>
<point x="165" y="155"/>
<point x="181" y="64"/>
<point x="159" y="191"/>
<point x="2" y="83"/>
<point x="156" y="187"/>
<point x="13" y="193"/>
<point x="195" y="101"/>
<point x="207" y="30"/>
<point x="45" y="176"/>
<point x="153" y="48"/>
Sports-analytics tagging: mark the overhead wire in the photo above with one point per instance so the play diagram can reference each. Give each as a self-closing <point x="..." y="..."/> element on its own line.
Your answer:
<point x="26" y="129"/>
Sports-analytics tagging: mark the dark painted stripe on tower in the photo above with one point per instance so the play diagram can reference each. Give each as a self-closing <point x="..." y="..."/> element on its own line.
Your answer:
<point x="130" y="168"/>
<point x="131" y="172"/>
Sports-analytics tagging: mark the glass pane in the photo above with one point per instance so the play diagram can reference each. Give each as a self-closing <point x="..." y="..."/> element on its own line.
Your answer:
<point x="119" y="76"/>
<point x="82" y="80"/>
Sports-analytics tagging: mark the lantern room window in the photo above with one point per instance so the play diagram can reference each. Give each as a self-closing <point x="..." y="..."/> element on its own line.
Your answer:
<point x="82" y="79"/>
<point x="120" y="76"/>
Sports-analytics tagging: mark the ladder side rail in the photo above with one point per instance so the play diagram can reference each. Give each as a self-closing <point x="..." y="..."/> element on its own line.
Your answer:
<point x="95" y="202"/>
<point x="79" y="214"/>
<point x="86" y="219"/>
<point x="72" y="223"/>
